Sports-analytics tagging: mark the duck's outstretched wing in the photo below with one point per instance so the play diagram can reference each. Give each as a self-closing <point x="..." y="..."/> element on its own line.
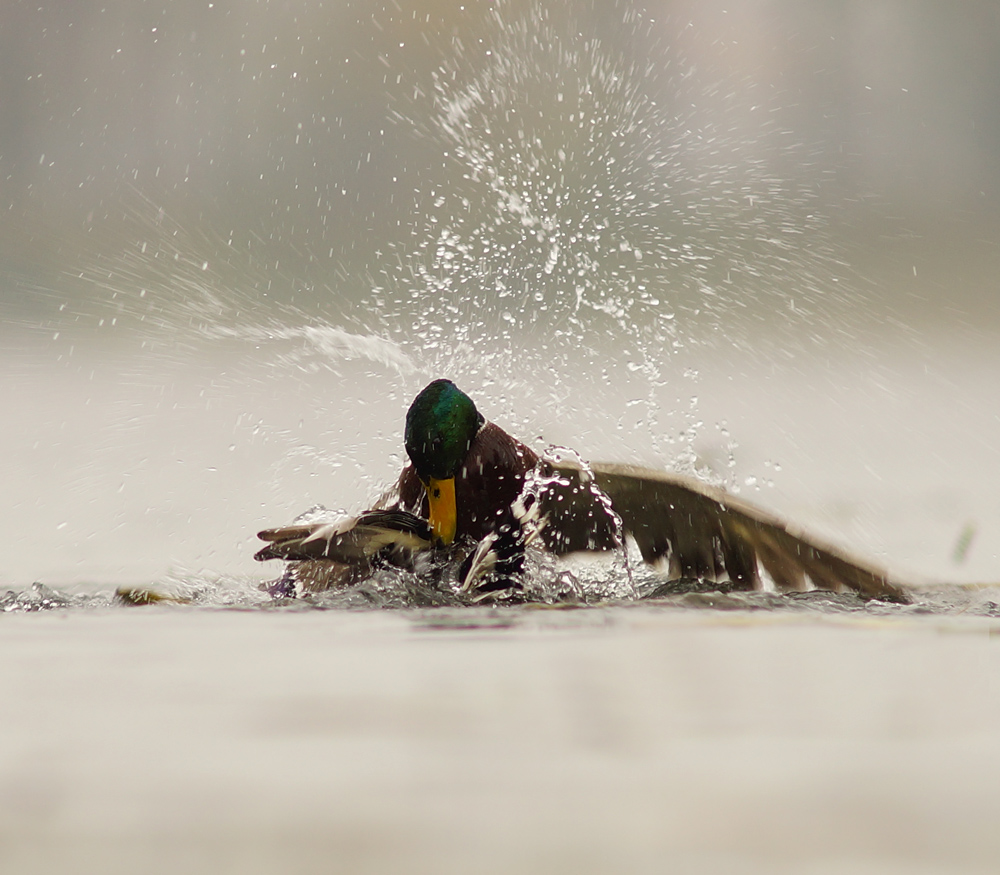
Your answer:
<point x="703" y="532"/>
<point x="355" y="541"/>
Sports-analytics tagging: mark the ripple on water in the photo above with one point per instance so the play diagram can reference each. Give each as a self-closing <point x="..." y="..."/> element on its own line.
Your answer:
<point x="435" y="606"/>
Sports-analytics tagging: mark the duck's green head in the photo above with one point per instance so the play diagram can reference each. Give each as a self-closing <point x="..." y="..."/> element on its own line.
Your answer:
<point x="440" y="426"/>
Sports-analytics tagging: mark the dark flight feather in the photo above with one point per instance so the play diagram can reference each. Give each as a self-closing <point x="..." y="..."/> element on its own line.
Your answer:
<point x="701" y="531"/>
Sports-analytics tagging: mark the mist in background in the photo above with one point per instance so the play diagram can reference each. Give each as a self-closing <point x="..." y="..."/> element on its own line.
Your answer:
<point x="755" y="240"/>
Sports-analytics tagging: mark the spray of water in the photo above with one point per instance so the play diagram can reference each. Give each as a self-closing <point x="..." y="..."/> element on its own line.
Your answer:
<point x="594" y="219"/>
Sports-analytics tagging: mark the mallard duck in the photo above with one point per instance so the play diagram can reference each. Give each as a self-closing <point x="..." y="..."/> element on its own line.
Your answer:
<point x="474" y="494"/>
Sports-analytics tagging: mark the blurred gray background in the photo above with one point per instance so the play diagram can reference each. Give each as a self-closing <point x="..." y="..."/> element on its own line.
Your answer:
<point x="756" y="239"/>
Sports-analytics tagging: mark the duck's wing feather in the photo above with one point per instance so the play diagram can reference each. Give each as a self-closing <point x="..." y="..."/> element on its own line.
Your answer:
<point x="703" y="532"/>
<point x="353" y="541"/>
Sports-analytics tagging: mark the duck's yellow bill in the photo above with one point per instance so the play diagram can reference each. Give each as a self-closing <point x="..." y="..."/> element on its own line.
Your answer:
<point x="443" y="512"/>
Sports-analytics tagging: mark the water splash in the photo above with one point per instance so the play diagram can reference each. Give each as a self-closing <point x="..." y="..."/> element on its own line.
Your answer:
<point x="537" y="482"/>
<point x="592" y="219"/>
<point x="325" y="343"/>
<point x="596" y="218"/>
<point x="181" y="283"/>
